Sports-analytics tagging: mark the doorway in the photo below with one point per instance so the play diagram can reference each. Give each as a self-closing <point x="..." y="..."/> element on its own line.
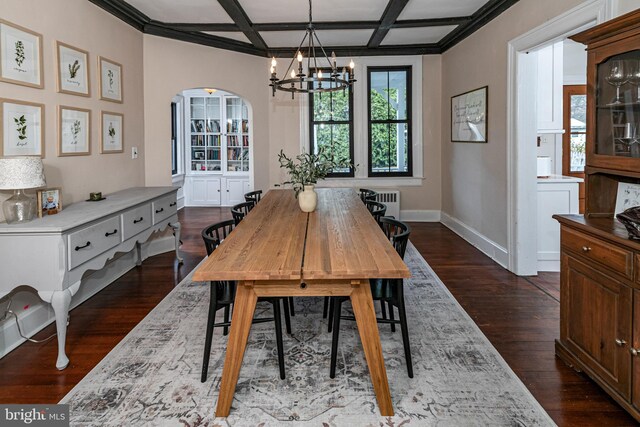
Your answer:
<point x="575" y="137"/>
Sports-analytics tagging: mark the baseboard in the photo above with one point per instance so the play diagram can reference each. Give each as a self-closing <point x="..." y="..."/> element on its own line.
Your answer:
<point x="420" y="216"/>
<point x="490" y="248"/>
<point x="39" y="314"/>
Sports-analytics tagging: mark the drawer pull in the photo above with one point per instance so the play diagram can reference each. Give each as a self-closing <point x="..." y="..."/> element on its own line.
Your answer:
<point x="107" y="234"/>
<point x="159" y="210"/>
<point x="172" y="204"/>
<point x="135" y="221"/>
<point x="83" y="246"/>
<point x="586" y="249"/>
<point x="634" y="351"/>
<point x="620" y="343"/>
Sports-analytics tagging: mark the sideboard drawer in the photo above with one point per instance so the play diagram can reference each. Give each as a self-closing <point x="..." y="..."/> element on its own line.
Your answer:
<point x="136" y="220"/>
<point x="91" y="241"/>
<point x="164" y="207"/>
<point x="612" y="257"/>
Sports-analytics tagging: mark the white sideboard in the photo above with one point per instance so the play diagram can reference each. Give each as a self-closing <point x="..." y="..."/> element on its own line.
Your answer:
<point x="51" y="254"/>
<point x="556" y="195"/>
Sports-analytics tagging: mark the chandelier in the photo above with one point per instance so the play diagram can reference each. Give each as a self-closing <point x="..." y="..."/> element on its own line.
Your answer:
<point x="296" y="81"/>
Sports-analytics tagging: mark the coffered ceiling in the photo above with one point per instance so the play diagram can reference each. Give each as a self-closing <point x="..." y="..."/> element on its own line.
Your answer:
<point x="276" y="27"/>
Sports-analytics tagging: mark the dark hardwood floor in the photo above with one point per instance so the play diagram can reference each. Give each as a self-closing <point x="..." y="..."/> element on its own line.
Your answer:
<point x="520" y="316"/>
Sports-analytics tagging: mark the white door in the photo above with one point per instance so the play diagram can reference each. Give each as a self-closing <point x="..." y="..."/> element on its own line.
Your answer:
<point x="235" y="191"/>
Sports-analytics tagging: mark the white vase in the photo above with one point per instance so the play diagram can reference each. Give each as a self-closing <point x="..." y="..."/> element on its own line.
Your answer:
<point x="308" y="199"/>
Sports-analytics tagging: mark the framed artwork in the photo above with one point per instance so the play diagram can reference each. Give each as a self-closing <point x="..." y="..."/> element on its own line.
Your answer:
<point x="20" y="55"/>
<point x="469" y="116"/>
<point x="74" y="131"/>
<point x="73" y="70"/>
<point x="22" y="128"/>
<point x="49" y="201"/>
<point x="628" y="197"/>
<point x="112" y="133"/>
<point x="110" y="80"/>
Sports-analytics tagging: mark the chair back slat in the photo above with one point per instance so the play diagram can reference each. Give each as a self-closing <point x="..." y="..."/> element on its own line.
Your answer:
<point x="253" y="196"/>
<point x="366" y="194"/>
<point x="397" y="232"/>
<point x="377" y="210"/>
<point x="241" y="210"/>
<point x="214" y="234"/>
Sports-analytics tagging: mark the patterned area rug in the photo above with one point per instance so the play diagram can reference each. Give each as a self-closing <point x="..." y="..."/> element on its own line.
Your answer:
<point x="152" y="377"/>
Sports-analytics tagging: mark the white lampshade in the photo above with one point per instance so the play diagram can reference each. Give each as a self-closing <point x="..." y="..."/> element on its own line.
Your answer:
<point x="17" y="173"/>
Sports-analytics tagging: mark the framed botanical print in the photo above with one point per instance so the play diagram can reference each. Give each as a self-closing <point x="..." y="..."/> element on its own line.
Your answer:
<point x="20" y="55"/>
<point x="72" y="70"/>
<point x="112" y="133"/>
<point x="110" y="74"/>
<point x="22" y="128"/>
<point x="74" y="131"/>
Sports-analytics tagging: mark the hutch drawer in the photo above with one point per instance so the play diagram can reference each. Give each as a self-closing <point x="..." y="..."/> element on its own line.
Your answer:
<point x="615" y="258"/>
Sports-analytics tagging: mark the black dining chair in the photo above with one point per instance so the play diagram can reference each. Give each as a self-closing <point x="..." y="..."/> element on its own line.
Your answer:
<point x="238" y="212"/>
<point x="366" y="194"/>
<point x="377" y="210"/>
<point x="253" y="196"/>
<point x="241" y="210"/>
<point x="390" y="291"/>
<point x="222" y="296"/>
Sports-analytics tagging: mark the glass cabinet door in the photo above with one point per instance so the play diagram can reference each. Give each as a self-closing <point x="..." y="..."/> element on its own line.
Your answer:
<point x="618" y="106"/>
<point x="237" y="135"/>
<point x="205" y="134"/>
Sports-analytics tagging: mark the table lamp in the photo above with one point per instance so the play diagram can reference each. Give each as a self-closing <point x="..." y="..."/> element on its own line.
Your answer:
<point x="18" y="174"/>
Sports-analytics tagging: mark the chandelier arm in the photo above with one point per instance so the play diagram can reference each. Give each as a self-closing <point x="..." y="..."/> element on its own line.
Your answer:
<point x="323" y="51"/>
<point x="294" y="56"/>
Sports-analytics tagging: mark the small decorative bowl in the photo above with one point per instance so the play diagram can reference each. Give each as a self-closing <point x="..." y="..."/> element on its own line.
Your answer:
<point x="631" y="220"/>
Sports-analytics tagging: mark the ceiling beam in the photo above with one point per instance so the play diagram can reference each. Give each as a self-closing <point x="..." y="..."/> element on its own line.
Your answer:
<point x="481" y="17"/>
<point x="181" y="26"/>
<point x="353" y="51"/>
<point x="124" y="11"/>
<point x="157" y="29"/>
<point x="332" y="25"/>
<point x="235" y="11"/>
<point x="433" y="22"/>
<point x="389" y="17"/>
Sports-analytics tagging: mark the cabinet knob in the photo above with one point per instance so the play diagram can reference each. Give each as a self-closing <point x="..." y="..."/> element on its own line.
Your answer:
<point x="620" y="343"/>
<point x="586" y="249"/>
<point x="635" y="351"/>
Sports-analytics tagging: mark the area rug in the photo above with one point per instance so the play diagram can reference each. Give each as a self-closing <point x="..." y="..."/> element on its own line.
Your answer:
<point x="152" y="377"/>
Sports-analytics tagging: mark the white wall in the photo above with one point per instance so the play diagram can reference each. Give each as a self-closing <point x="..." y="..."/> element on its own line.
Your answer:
<point x="574" y="63"/>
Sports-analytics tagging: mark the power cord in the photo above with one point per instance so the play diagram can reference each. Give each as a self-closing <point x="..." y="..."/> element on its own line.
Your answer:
<point x="8" y="312"/>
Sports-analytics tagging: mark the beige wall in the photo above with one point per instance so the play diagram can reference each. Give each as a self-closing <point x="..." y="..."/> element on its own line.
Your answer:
<point x="172" y="66"/>
<point x="81" y="24"/>
<point x="474" y="176"/>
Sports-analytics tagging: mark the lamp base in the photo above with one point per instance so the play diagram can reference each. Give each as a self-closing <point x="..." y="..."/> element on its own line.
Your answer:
<point x="19" y="208"/>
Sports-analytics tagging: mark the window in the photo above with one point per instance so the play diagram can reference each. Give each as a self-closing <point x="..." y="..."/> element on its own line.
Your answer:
<point x="389" y="109"/>
<point x="331" y="125"/>
<point x="174" y="139"/>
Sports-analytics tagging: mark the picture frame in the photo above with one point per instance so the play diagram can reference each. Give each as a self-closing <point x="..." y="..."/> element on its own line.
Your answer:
<point x="72" y="70"/>
<point x="110" y="80"/>
<point x="628" y="196"/>
<point x="74" y="131"/>
<point x="112" y="132"/>
<point x="22" y="128"/>
<point x="49" y="201"/>
<point x="20" y="56"/>
<point x="469" y="116"/>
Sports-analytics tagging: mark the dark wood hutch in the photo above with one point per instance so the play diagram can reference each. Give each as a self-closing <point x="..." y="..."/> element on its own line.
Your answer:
<point x="600" y="265"/>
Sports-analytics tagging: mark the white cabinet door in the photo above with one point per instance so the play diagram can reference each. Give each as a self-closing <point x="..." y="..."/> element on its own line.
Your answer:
<point x="235" y="191"/>
<point x="549" y="97"/>
<point x="204" y="191"/>
<point x="247" y="187"/>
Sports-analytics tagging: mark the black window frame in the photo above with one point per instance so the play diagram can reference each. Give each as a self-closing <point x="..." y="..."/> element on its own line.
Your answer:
<point x="350" y="122"/>
<point x="174" y="138"/>
<point x="408" y="120"/>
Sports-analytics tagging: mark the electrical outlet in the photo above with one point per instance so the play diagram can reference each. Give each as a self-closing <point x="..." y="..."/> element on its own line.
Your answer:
<point x="134" y="152"/>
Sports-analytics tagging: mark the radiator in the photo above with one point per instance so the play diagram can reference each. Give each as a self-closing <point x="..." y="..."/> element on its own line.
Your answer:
<point x="391" y="198"/>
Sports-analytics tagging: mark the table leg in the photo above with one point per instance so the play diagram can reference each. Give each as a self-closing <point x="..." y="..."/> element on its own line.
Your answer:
<point x="243" y="309"/>
<point x="176" y="226"/>
<point x="60" y="301"/>
<point x="362" y="304"/>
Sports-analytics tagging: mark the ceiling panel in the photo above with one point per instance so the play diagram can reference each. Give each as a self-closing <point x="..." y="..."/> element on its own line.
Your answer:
<point x="425" y="9"/>
<point x="239" y="36"/>
<point x="261" y="11"/>
<point x="189" y="11"/>
<point x="327" y="38"/>
<point x="422" y="35"/>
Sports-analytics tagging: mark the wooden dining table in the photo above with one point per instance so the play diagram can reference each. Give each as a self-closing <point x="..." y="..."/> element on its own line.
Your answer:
<point x="279" y="251"/>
